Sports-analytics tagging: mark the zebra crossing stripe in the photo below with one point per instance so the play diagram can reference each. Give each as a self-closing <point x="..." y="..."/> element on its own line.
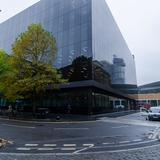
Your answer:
<point x="23" y="149"/>
<point x="108" y="143"/>
<point x="137" y="140"/>
<point x="122" y="142"/>
<point x="68" y="149"/>
<point x="50" y="145"/>
<point x="69" y="145"/>
<point x="45" y="149"/>
<point x="31" y="145"/>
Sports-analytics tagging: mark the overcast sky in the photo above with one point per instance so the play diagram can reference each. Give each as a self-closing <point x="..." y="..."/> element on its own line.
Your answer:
<point x="139" y="21"/>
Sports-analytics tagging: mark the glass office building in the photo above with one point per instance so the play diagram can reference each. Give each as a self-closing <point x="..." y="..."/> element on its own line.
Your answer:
<point x="92" y="53"/>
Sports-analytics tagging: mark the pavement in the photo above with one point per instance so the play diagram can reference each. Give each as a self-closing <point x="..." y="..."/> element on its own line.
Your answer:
<point x="129" y="137"/>
<point x="64" y="117"/>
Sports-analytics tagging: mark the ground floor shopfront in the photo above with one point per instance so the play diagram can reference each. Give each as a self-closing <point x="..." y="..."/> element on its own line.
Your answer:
<point x="78" y="99"/>
<point x="152" y="99"/>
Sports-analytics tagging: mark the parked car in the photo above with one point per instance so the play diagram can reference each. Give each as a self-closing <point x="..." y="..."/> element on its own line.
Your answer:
<point x="154" y="113"/>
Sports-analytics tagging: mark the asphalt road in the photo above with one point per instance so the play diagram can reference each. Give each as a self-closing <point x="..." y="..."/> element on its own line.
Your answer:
<point x="106" y="134"/>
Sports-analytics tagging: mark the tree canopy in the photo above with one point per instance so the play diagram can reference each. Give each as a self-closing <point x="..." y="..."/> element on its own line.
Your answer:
<point x="32" y="60"/>
<point x="4" y="65"/>
<point x="5" y="69"/>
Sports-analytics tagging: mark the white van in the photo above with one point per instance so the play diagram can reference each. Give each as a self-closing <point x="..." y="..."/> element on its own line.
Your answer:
<point x="154" y="113"/>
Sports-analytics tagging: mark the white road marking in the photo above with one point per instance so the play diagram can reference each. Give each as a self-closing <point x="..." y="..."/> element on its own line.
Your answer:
<point x="31" y="145"/>
<point x="131" y="149"/>
<point x="108" y="143"/>
<point x="155" y="134"/>
<point x="71" y="128"/>
<point x="11" y="125"/>
<point x="117" y="127"/>
<point x="68" y="149"/>
<point x="45" y="149"/>
<point x="137" y="143"/>
<point x="69" y="145"/>
<point x="24" y="149"/>
<point x="122" y="145"/>
<point x="137" y="140"/>
<point x="83" y="153"/>
<point x="87" y="146"/>
<point x="50" y="145"/>
<point x="129" y="122"/>
<point x="80" y="150"/>
<point x="122" y="142"/>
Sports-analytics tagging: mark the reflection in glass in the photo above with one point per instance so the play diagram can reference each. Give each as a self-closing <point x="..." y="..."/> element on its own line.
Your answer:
<point x="118" y="74"/>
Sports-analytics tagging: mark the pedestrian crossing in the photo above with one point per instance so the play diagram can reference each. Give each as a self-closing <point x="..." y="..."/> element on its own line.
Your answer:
<point x="51" y="147"/>
<point x="74" y="147"/>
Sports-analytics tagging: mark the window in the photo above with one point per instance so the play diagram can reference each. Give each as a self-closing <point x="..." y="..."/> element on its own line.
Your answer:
<point x="56" y="10"/>
<point x="77" y="49"/>
<point x="65" y="38"/>
<point x="73" y="4"/>
<point x="84" y="32"/>
<point x="61" y="8"/>
<point x="77" y="34"/>
<point x="60" y="24"/>
<point x="86" y="48"/>
<point x="71" y="36"/>
<point x="84" y="2"/>
<point x="54" y="24"/>
<point x="78" y="17"/>
<point x="71" y="19"/>
<point x="71" y="53"/>
<point x="65" y="56"/>
<point x="66" y="22"/>
<point x="59" y="59"/>
<point x="84" y="14"/>
<point x="60" y="38"/>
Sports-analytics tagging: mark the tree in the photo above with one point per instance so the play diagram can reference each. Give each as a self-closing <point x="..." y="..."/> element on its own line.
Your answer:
<point x="34" y="53"/>
<point x="4" y="65"/>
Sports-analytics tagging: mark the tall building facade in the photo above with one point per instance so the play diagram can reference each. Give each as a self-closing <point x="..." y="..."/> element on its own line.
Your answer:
<point x="92" y="53"/>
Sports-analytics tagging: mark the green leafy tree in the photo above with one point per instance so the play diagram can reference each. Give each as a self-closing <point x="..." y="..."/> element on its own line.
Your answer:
<point x="34" y="53"/>
<point x="5" y="68"/>
<point x="4" y="65"/>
